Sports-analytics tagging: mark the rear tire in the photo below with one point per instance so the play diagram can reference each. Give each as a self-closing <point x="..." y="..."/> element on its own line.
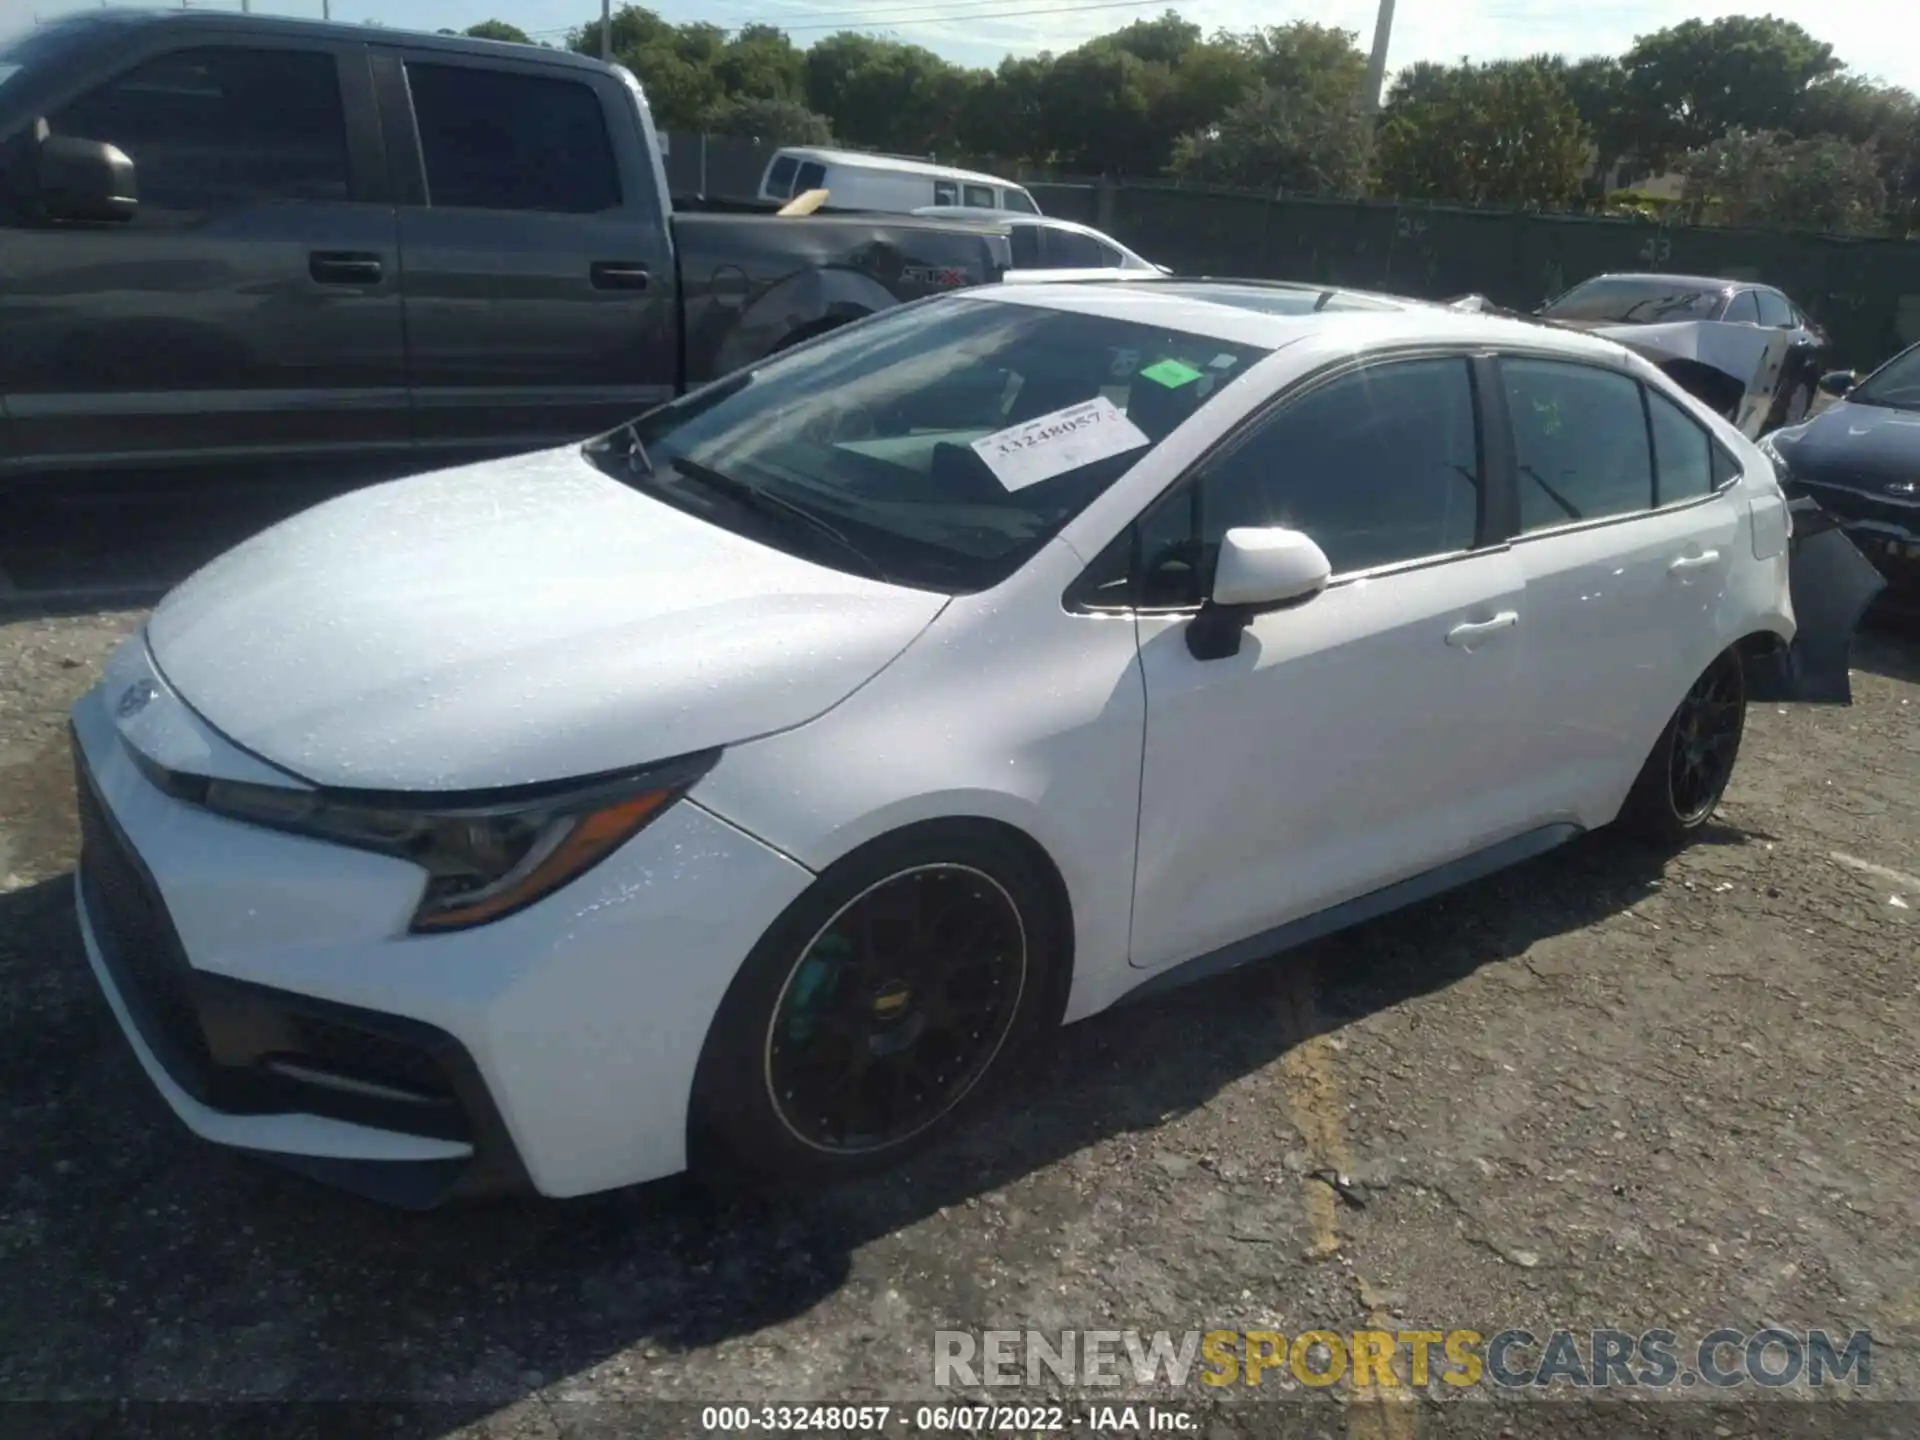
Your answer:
<point x="878" y="1008"/>
<point x="1687" y="772"/>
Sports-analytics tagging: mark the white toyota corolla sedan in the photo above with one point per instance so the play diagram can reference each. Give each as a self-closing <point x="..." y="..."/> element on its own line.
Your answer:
<point x="743" y="788"/>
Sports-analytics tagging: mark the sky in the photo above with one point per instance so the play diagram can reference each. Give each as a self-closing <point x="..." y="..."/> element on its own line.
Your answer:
<point x="1878" y="38"/>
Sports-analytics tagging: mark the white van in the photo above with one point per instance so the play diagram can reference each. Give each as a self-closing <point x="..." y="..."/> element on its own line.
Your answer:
<point x="857" y="181"/>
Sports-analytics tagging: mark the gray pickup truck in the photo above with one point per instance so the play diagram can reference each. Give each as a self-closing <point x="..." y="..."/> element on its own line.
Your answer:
<point x="229" y="237"/>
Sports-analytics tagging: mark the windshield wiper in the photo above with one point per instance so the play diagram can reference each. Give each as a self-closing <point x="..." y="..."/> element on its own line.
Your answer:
<point x="765" y="502"/>
<point x="635" y="454"/>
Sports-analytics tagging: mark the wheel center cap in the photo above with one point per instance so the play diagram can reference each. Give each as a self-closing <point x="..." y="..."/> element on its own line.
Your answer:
<point x="891" y="1000"/>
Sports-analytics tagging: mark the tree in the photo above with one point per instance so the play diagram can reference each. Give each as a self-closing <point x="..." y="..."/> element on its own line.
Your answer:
<point x="498" y="30"/>
<point x="1691" y="83"/>
<point x="769" y="121"/>
<point x="1104" y="111"/>
<point x="1505" y="133"/>
<point x="1765" y="177"/>
<point x="883" y="94"/>
<point x="1282" y="140"/>
<point x="761" y="63"/>
<point x="1597" y="85"/>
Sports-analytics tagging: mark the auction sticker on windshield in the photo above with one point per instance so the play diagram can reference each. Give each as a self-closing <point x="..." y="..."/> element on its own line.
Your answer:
<point x="1052" y="444"/>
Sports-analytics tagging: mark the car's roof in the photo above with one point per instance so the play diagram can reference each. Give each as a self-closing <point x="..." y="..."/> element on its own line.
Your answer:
<point x="862" y="160"/>
<point x="213" y="20"/>
<point x="1692" y="282"/>
<point x="1011" y="217"/>
<point x="1270" y="314"/>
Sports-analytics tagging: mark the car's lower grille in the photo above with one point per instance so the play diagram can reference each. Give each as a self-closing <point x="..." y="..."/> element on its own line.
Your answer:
<point x="138" y="943"/>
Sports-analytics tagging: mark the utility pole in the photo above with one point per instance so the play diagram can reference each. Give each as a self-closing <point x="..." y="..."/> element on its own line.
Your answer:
<point x="1377" y="63"/>
<point x="606" y="30"/>
<point x="326" y="9"/>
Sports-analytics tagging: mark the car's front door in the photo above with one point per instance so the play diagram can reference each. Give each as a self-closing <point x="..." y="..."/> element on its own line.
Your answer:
<point x="1627" y="536"/>
<point x="541" y="298"/>
<point x="1357" y="739"/>
<point x="252" y="305"/>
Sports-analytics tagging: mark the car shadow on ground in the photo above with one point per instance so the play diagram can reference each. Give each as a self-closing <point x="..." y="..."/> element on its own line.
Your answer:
<point x="142" y="1257"/>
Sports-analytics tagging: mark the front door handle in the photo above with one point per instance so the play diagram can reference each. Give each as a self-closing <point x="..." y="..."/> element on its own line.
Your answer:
<point x="1465" y="637"/>
<point x="1705" y="560"/>
<point x="618" y="275"/>
<point x="344" y="267"/>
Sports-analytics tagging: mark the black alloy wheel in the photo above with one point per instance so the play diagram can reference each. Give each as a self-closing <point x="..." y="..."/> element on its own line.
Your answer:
<point x="1691" y="765"/>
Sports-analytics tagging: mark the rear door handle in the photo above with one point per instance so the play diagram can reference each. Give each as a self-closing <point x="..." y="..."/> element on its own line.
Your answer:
<point x="1705" y="560"/>
<point x="1465" y="637"/>
<point x="618" y="275"/>
<point x="344" y="267"/>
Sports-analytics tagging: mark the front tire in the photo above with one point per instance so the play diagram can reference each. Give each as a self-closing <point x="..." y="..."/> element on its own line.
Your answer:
<point x="1687" y="773"/>
<point x="877" y="1008"/>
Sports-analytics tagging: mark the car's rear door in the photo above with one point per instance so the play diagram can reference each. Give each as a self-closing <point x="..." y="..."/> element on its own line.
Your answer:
<point x="1357" y="739"/>
<point x="541" y="299"/>
<point x="252" y="305"/>
<point x="1627" y="533"/>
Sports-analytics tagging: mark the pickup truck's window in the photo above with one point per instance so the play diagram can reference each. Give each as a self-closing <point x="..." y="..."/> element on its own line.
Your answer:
<point x="217" y="127"/>
<point x="780" y="177"/>
<point x="506" y="140"/>
<point x="1020" y="200"/>
<point x="1580" y="443"/>
<point x="903" y="433"/>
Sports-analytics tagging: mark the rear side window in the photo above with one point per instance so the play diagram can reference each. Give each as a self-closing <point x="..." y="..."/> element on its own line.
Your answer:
<point x="1774" y="310"/>
<point x="1682" y="452"/>
<point x="780" y="177"/>
<point x="504" y="140"/>
<point x="945" y="192"/>
<point x="810" y="176"/>
<point x="1743" y="309"/>
<point x="982" y="196"/>
<point x="218" y="127"/>
<point x="1580" y="443"/>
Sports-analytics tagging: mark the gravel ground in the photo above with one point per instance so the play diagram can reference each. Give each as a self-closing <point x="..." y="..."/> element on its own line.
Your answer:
<point x="1603" y="1090"/>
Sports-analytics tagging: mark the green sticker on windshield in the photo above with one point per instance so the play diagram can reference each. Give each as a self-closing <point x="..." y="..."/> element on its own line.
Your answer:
<point x="1171" y="373"/>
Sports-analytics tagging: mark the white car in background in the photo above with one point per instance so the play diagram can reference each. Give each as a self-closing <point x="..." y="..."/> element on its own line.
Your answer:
<point x="746" y="786"/>
<point x="1048" y="243"/>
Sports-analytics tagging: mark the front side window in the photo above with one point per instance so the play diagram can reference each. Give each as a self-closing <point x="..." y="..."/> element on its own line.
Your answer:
<point x="1580" y="442"/>
<point x="780" y="177"/>
<point x="1070" y="250"/>
<point x="1020" y="200"/>
<point x="219" y="127"/>
<point x="811" y="176"/>
<point x="981" y="197"/>
<point x="1378" y="467"/>
<point x="1631" y="300"/>
<point x="507" y="140"/>
<point x="944" y="442"/>
<point x="1682" y="452"/>
<point x="1894" y="386"/>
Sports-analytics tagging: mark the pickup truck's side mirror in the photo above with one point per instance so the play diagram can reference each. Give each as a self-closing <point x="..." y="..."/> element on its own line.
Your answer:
<point x="1258" y="569"/>
<point x="86" y="180"/>
<point x="1838" y="382"/>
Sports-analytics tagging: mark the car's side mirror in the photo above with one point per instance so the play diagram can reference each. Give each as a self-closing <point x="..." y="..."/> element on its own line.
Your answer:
<point x="1838" y="382"/>
<point x="80" y="180"/>
<point x="1258" y="569"/>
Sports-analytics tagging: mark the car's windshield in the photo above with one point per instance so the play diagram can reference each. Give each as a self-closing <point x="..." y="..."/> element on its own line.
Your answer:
<point x="1895" y="385"/>
<point x="1634" y="302"/>
<point x="941" y="444"/>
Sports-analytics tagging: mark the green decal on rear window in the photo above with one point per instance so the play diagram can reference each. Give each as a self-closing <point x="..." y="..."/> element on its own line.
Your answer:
<point x="1172" y="373"/>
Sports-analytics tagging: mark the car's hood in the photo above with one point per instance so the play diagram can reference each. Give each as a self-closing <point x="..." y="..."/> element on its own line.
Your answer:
<point x="1855" y="445"/>
<point x="513" y="622"/>
<point x="1728" y="348"/>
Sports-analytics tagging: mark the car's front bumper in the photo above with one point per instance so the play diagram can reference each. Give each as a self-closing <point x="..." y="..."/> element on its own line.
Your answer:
<point x="1832" y="586"/>
<point x="269" y="988"/>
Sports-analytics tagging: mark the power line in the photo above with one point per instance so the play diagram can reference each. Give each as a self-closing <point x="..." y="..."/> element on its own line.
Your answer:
<point x="860" y="20"/>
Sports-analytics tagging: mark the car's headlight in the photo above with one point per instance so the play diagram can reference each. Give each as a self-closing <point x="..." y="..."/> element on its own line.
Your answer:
<point x="484" y="859"/>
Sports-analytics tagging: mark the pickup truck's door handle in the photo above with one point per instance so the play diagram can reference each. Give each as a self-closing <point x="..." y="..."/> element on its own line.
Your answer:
<point x="618" y="275"/>
<point x="344" y="267"/>
<point x="1465" y="637"/>
<point x="1705" y="560"/>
